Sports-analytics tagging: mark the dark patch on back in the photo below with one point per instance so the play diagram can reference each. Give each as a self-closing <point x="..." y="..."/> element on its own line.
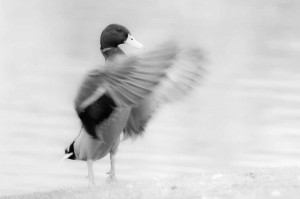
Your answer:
<point x="97" y="113"/>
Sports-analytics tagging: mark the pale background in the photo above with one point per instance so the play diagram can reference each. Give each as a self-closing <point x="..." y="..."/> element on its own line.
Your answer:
<point x="245" y="114"/>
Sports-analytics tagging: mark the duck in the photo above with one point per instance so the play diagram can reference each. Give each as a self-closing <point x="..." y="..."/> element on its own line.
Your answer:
<point x="121" y="95"/>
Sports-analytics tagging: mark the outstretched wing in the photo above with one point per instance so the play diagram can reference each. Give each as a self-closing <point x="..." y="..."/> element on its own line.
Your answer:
<point x="131" y="79"/>
<point x="182" y="77"/>
<point x="124" y="82"/>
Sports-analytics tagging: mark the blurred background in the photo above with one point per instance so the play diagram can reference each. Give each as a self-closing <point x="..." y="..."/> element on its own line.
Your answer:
<point x="244" y="115"/>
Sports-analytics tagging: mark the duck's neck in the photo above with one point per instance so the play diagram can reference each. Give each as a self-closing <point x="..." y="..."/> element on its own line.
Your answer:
<point x="111" y="52"/>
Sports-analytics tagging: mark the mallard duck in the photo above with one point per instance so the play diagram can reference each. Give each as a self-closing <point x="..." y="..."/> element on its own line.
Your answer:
<point x="122" y="95"/>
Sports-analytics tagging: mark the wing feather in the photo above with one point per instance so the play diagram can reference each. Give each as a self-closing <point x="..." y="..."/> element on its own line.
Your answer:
<point x="184" y="74"/>
<point x="132" y="79"/>
<point x="141" y="82"/>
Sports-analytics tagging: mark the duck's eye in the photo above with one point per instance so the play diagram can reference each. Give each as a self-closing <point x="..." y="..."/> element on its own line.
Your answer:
<point x="119" y="30"/>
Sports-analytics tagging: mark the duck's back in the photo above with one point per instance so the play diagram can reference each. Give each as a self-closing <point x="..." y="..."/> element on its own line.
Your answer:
<point x="101" y="117"/>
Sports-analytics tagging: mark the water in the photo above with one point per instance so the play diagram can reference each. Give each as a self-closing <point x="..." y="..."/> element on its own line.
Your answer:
<point x="244" y="115"/>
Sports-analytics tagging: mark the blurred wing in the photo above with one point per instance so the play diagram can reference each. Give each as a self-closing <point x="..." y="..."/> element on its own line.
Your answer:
<point x="139" y="117"/>
<point x="131" y="79"/>
<point x="90" y="90"/>
<point x="181" y="78"/>
<point x="127" y="80"/>
<point x="184" y="75"/>
<point x="124" y="82"/>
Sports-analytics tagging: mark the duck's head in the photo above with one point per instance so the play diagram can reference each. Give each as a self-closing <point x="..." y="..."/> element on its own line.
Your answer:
<point x="114" y="35"/>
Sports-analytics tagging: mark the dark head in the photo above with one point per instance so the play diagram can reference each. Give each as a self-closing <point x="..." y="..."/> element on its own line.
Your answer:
<point x="114" y="35"/>
<point x="70" y="153"/>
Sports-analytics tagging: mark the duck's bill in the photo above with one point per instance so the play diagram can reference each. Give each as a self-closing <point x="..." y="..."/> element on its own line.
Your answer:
<point x="132" y="42"/>
<point x="66" y="156"/>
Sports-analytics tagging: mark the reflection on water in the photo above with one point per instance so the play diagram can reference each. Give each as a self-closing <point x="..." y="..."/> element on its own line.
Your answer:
<point x="245" y="114"/>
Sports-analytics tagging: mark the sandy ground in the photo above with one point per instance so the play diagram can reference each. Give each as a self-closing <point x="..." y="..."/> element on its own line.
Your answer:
<point x="253" y="183"/>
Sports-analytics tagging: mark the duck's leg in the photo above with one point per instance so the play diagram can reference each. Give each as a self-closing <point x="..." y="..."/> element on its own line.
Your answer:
<point x="112" y="172"/>
<point x="90" y="172"/>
